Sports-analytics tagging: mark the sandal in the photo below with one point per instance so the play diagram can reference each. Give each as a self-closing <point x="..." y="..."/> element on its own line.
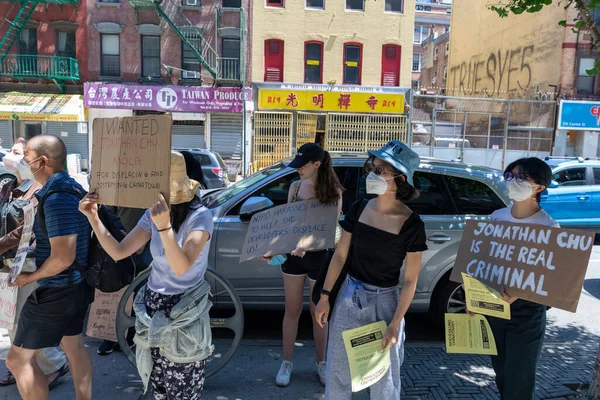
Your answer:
<point x="61" y="372"/>
<point x="8" y="379"/>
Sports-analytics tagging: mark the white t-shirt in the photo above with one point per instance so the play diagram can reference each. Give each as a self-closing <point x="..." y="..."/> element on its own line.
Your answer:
<point x="539" y="218"/>
<point x="162" y="279"/>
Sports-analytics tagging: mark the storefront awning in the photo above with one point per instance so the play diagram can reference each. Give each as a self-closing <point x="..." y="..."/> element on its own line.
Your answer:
<point x="41" y="107"/>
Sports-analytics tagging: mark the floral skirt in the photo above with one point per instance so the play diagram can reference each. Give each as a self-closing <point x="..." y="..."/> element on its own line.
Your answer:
<point x="169" y="380"/>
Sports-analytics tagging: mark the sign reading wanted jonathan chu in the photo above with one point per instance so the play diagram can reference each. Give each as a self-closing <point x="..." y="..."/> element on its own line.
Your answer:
<point x="536" y="263"/>
<point x="131" y="160"/>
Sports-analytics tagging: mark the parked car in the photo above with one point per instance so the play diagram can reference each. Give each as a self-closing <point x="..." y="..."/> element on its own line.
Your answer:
<point x="213" y="166"/>
<point x="573" y="198"/>
<point x="451" y="194"/>
<point x="4" y="174"/>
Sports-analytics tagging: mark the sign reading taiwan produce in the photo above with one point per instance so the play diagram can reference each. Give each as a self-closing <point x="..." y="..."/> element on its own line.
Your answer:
<point x="536" y="263"/>
<point x="280" y="230"/>
<point x="131" y="160"/>
<point x="165" y="98"/>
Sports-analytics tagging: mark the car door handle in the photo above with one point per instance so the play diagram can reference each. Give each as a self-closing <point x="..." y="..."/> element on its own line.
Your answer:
<point x="439" y="238"/>
<point x="583" y="197"/>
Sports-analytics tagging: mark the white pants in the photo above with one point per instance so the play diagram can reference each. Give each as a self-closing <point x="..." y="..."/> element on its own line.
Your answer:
<point x="50" y="359"/>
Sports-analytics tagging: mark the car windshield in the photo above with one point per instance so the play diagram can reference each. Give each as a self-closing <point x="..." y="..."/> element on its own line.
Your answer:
<point x="217" y="198"/>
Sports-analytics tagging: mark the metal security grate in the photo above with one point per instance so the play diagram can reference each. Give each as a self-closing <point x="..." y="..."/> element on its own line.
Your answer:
<point x="306" y="128"/>
<point x="272" y="138"/>
<point x="357" y="133"/>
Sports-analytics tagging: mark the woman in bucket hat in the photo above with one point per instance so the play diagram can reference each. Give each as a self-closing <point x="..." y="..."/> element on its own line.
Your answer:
<point x="379" y="235"/>
<point x="172" y="324"/>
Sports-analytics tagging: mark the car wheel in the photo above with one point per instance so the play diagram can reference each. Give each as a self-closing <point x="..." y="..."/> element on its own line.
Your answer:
<point x="448" y="297"/>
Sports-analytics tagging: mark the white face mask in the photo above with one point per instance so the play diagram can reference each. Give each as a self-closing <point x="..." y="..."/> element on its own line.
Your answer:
<point x="11" y="162"/>
<point x="520" y="191"/>
<point x="24" y="170"/>
<point x="376" y="184"/>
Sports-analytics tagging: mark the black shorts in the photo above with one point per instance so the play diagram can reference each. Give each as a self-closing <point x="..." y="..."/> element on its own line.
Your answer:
<point x="309" y="265"/>
<point x="51" y="313"/>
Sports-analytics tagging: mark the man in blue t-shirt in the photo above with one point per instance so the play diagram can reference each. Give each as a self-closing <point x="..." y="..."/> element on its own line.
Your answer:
<point x="55" y="311"/>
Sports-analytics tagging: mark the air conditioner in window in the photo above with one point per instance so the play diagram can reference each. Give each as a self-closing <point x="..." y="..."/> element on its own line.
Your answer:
<point x="191" y="75"/>
<point x="191" y="3"/>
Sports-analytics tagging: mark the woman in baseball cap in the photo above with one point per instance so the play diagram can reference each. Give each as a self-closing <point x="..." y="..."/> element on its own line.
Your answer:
<point x="317" y="180"/>
<point x="379" y="236"/>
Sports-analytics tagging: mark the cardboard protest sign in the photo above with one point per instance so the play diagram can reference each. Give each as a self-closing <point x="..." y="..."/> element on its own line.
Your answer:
<point x="8" y="303"/>
<point x="131" y="160"/>
<point x="536" y="263"/>
<point x="279" y="230"/>
<point x="17" y="264"/>
<point x="103" y="315"/>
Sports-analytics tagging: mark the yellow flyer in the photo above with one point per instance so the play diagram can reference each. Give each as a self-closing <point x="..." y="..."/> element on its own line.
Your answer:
<point x="469" y="334"/>
<point x="482" y="299"/>
<point x="368" y="362"/>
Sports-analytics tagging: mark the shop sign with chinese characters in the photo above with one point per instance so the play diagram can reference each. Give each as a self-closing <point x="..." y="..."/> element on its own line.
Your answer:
<point x="389" y="103"/>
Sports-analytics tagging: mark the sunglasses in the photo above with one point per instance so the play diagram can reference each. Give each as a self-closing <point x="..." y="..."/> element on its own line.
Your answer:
<point x="519" y="177"/>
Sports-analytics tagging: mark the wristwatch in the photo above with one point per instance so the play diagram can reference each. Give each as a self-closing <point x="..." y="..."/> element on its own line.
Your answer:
<point x="325" y="292"/>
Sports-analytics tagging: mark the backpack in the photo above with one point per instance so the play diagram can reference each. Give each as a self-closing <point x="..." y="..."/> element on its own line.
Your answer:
<point x="101" y="272"/>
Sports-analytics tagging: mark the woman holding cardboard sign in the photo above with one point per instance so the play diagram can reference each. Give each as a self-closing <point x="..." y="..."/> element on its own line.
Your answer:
<point x="519" y="340"/>
<point x="172" y="325"/>
<point x="379" y="235"/>
<point x="317" y="180"/>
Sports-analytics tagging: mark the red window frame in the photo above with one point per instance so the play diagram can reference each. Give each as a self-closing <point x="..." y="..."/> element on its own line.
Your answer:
<point x="281" y="59"/>
<point x="391" y="66"/>
<point x="320" y="61"/>
<point x="360" y="62"/>
<point x="276" y="3"/>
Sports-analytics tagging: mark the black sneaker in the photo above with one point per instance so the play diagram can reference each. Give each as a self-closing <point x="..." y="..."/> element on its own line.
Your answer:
<point x="106" y="348"/>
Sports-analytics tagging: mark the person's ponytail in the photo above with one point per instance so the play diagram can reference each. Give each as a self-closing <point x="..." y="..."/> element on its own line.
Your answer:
<point x="328" y="185"/>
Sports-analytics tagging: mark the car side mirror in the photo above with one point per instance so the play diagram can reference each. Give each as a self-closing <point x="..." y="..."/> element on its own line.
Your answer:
<point x="553" y="185"/>
<point x="254" y="205"/>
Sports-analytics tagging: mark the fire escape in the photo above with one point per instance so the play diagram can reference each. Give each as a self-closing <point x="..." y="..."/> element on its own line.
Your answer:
<point x="32" y="66"/>
<point x="224" y="70"/>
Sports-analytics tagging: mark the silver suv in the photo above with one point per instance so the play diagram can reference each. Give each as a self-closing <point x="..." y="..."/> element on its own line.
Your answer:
<point x="451" y="194"/>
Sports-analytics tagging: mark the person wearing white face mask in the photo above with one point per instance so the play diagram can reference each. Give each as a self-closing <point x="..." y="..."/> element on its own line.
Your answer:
<point x="519" y="340"/>
<point x="379" y="235"/>
<point x="14" y="195"/>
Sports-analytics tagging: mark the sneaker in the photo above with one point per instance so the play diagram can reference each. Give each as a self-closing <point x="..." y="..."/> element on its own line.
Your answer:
<point x="284" y="374"/>
<point x="321" y="371"/>
<point x="106" y="348"/>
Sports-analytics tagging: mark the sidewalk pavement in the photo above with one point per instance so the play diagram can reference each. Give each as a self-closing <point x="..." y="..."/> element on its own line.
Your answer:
<point x="428" y="373"/>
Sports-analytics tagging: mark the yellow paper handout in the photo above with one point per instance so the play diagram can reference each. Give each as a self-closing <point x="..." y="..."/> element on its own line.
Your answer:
<point x="482" y="299"/>
<point x="368" y="362"/>
<point x="469" y="334"/>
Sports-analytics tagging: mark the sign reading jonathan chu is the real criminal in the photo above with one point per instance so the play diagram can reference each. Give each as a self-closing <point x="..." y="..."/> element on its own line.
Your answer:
<point x="131" y="160"/>
<point x="536" y="263"/>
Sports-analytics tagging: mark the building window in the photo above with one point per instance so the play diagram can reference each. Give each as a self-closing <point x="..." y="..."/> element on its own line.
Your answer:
<point x="416" y="67"/>
<point x="274" y="3"/>
<point x="415" y="85"/>
<point x="352" y="63"/>
<point x="585" y="83"/>
<point x="445" y="72"/>
<point x="230" y="59"/>
<point x="191" y="3"/>
<point x="28" y="42"/>
<point x="390" y="65"/>
<point x="447" y="48"/>
<point x="318" y="4"/>
<point x="434" y="79"/>
<point x="232" y="3"/>
<point x="355" y="5"/>
<point x="65" y="44"/>
<point x="150" y="56"/>
<point x="421" y="33"/>
<point x="273" y="60"/>
<point x="110" y="64"/>
<point x="393" y="5"/>
<point x="435" y="53"/>
<point x="189" y="61"/>
<point x="313" y="62"/>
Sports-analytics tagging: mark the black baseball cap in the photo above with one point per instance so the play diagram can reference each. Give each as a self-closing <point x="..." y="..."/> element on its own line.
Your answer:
<point x="309" y="152"/>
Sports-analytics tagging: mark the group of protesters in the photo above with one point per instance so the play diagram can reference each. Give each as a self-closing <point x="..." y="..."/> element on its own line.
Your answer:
<point x="355" y="284"/>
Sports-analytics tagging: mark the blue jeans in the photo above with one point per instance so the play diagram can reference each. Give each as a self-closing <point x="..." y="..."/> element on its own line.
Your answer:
<point x="519" y="341"/>
<point x="359" y="304"/>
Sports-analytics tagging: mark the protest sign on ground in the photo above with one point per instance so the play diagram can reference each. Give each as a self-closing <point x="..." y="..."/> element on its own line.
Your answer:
<point x="8" y="302"/>
<point x="131" y="160"/>
<point x="103" y="315"/>
<point x="280" y="230"/>
<point x="537" y="263"/>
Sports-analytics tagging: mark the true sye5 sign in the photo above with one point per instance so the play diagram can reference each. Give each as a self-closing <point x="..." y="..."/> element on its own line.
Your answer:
<point x="536" y="263"/>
